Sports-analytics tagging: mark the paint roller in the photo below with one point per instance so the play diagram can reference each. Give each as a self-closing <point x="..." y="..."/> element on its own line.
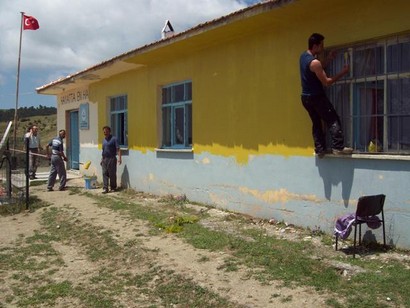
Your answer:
<point x="86" y="165"/>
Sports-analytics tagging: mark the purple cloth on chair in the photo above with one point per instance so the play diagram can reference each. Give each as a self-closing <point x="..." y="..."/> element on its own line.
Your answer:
<point x="344" y="224"/>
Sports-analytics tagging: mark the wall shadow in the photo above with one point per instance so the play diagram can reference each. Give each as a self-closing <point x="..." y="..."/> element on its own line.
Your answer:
<point x="125" y="178"/>
<point x="334" y="171"/>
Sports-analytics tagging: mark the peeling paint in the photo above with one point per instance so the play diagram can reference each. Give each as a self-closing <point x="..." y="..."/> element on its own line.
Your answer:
<point x="282" y="195"/>
<point x="216" y="199"/>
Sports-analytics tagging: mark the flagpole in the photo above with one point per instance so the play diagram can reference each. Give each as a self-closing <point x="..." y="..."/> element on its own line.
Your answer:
<point x="17" y="87"/>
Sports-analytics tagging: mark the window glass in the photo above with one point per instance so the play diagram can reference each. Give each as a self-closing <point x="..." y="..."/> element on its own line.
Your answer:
<point x="119" y="119"/>
<point x="166" y="126"/>
<point x="179" y="93"/>
<point x="368" y="61"/>
<point x="179" y="126"/>
<point x="398" y="56"/>
<point x="373" y="100"/>
<point x="177" y="115"/>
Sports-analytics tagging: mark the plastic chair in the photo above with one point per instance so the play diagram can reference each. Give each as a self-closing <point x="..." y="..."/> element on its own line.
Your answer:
<point x="368" y="210"/>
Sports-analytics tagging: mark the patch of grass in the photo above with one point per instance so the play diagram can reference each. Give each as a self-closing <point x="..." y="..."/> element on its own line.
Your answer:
<point x="291" y="263"/>
<point x="34" y="257"/>
<point x="174" y="200"/>
<point x="35" y="203"/>
<point x="35" y="285"/>
<point x="177" y="290"/>
<point x="47" y="294"/>
<point x="176" y="224"/>
<point x="269" y="258"/>
<point x="38" y="183"/>
<point x="204" y="259"/>
<point x="327" y="240"/>
<point x="100" y="244"/>
<point x="230" y="265"/>
<point x="286" y="299"/>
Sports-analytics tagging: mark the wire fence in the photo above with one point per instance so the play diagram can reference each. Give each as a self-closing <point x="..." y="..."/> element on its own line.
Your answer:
<point x="20" y="168"/>
<point x="13" y="187"/>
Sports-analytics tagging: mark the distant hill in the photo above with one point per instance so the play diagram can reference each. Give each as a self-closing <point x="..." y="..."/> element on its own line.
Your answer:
<point x="43" y="117"/>
<point x="24" y="112"/>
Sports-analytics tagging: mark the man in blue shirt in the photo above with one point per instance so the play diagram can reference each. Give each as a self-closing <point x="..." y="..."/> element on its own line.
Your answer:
<point x="110" y="149"/>
<point x="57" y="161"/>
<point x="314" y="99"/>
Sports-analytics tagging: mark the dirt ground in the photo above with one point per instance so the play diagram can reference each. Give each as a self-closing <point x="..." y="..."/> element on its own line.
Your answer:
<point x="166" y="250"/>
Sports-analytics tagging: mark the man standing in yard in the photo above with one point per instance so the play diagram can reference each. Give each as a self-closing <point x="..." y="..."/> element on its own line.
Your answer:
<point x="314" y="99"/>
<point x="57" y="161"/>
<point x="32" y="140"/>
<point x="110" y="149"/>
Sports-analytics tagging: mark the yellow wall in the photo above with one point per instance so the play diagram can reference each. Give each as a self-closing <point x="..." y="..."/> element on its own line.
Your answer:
<point x="245" y="80"/>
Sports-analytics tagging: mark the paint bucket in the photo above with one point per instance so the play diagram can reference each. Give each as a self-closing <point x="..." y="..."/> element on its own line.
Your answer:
<point x="90" y="182"/>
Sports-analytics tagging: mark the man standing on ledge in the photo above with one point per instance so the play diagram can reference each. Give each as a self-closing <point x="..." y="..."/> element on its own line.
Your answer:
<point x="57" y="161"/>
<point x="314" y="98"/>
<point x="110" y="149"/>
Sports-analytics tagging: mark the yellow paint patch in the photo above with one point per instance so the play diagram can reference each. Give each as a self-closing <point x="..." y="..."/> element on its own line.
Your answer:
<point x="275" y="196"/>
<point x="243" y="155"/>
<point x="206" y="161"/>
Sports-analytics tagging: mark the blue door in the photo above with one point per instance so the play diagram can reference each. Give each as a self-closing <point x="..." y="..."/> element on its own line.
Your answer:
<point x="73" y="151"/>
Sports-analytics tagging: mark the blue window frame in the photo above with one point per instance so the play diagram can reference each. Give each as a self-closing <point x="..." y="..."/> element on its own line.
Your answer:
<point x="119" y="119"/>
<point x="177" y="115"/>
<point x="373" y="100"/>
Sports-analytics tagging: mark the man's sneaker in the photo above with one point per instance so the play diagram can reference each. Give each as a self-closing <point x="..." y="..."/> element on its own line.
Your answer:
<point x="344" y="151"/>
<point x="50" y="189"/>
<point x="61" y="188"/>
<point x="105" y="191"/>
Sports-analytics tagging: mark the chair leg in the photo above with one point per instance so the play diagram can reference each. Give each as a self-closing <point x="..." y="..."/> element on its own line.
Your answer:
<point x="384" y="231"/>
<point x="354" y="242"/>
<point x="360" y="234"/>
<point x="336" y="238"/>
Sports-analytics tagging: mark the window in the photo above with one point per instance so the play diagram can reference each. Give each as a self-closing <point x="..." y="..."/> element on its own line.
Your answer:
<point x="373" y="100"/>
<point x="119" y="119"/>
<point x="177" y="115"/>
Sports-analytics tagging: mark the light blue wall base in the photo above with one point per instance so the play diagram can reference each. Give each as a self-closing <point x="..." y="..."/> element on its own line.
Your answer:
<point x="304" y="191"/>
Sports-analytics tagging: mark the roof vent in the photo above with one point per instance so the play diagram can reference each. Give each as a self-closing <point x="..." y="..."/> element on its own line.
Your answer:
<point x="168" y="30"/>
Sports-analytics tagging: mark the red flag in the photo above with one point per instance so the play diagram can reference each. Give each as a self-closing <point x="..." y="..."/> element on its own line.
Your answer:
<point x="30" y="23"/>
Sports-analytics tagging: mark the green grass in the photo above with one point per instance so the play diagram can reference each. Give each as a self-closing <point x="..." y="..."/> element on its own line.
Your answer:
<point x="33" y="262"/>
<point x="290" y="262"/>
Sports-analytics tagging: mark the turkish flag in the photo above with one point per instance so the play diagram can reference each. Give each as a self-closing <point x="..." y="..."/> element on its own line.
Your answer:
<point x="30" y="23"/>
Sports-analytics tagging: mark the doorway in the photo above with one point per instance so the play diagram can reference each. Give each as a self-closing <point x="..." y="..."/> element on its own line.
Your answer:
<point x="73" y="151"/>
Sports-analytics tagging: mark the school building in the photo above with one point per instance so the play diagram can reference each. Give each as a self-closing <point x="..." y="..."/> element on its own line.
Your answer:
<point x="215" y="113"/>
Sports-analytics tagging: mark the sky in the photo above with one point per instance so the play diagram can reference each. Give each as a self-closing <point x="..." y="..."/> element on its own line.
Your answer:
<point x="77" y="34"/>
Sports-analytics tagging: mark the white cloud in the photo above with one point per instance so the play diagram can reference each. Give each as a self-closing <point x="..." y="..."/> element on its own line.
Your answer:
<point x="82" y="33"/>
<point x="76" y="34"/>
